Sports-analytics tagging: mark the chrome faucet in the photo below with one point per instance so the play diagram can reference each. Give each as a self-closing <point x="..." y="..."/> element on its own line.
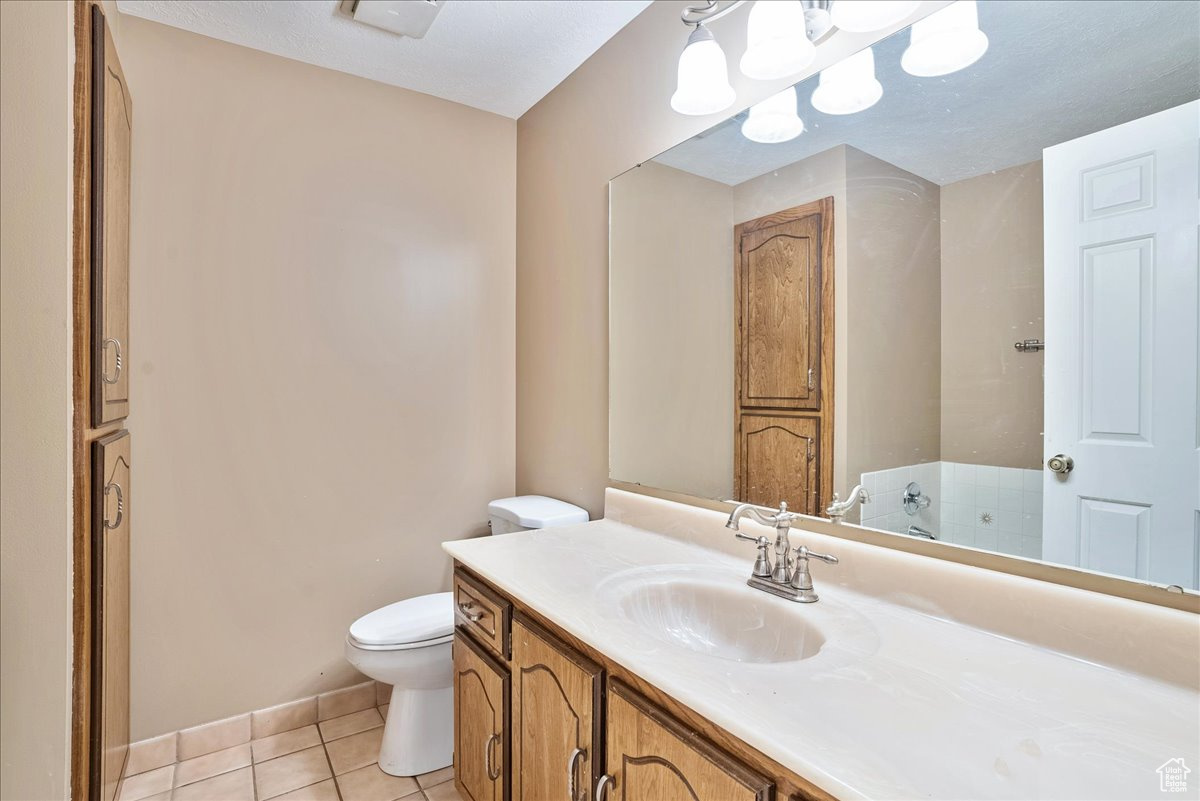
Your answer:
<point x="838" y="508"/>
<point x="782" y="521"/>
<point x="781" y="580"/>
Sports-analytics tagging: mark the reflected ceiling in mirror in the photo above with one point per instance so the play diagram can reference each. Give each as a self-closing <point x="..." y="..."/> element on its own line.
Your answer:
<point x="869" y="302"/>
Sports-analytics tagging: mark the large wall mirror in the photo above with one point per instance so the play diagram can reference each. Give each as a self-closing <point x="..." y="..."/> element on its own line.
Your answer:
<point x="976" y="297"/>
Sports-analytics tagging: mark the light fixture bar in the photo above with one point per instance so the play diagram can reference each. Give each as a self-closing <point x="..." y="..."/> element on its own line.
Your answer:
<point x="709" y="12"/>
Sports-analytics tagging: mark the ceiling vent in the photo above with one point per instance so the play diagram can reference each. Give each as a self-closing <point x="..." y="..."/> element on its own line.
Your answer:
<point x="405" y="17"/>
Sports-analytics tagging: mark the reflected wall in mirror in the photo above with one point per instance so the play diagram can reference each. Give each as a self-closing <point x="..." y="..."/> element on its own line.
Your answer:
<point x="977" y="298"/>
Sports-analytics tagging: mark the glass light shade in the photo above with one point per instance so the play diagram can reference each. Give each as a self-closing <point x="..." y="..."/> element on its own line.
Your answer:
<point x="703" y="83"/>
<point x="776" y="44"/>
<point x="864" y="16"/>
<point x="848" y="86"/>
<point x="774" y="120"/>
<point x="946" y="41"/>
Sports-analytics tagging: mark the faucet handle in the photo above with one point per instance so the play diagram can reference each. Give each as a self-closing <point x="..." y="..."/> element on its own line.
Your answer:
<point x="802" y="552"/>
<point x="762" y="563"/>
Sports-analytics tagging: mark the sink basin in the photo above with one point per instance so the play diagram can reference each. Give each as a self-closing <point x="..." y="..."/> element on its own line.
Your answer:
<point x="717" y="616"/>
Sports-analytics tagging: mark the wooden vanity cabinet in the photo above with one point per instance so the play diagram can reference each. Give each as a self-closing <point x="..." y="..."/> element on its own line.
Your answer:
<point x="556" y="717"/>
<point x="482" y="694"/>
<point x="652" y="757"/>
<point x="560" y="720"/>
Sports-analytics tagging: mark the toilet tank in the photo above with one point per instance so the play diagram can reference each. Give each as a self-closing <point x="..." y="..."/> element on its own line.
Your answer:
<point x="525" y="512"/>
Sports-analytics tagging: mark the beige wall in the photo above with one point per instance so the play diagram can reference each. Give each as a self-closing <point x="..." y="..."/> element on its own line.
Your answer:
<point x="671" y="393"/>
<point x="992" y="293"/>
<point x="894" y="371"/>
<point x="610" y="114"/>
<point x="322" y="362"/>
<point x="36" y="62"/>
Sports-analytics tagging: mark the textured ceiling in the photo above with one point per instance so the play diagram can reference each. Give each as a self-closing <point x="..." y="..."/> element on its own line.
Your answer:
<point x="497" y="55"/>
<point x="1054" y="71"/>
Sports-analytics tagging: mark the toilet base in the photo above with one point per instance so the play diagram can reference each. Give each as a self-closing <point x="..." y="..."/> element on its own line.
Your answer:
<point x="418" y="736"/>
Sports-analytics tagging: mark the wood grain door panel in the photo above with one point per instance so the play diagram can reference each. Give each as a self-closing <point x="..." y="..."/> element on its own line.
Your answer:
<point x="481" y="722"/>
<point x="111" y="499"/>
<point x="780" y="461"/>
<point x="556" y="717"/>
<point x="112" y="131"/>
<point x="781" y="315"/>
<point x="651" y="757"/>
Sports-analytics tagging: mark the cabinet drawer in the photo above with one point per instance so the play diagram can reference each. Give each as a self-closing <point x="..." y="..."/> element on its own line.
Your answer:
<point x="483" y="613"/>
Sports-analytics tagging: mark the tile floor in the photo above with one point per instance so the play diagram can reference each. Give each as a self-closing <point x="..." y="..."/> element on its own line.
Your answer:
<point x="333" y="760"/>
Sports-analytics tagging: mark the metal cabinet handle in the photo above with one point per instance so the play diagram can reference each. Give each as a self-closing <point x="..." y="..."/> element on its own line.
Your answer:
<point x="468" y="609"/>
<point x="115" y="488"/>
<point x="104" y="349"/>
<point x="1060" y="464"/>
<point x="487" y="757"/>
<point x="602" y="786"/>
<point x="572" y="768"/>
<point x="812" y="384"/>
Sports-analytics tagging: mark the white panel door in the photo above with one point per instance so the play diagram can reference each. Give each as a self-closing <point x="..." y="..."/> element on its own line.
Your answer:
<point x="1121" y="224"/>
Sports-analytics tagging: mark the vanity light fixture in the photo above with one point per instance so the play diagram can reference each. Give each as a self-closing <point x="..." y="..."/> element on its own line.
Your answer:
<point x="777" y="43"/>
<point x="864" y="16"/>
<point x="774" y="120"/>
<point x="703" y="81"/>
<point x="946" y="41"/>
<point x="848" y="86"/>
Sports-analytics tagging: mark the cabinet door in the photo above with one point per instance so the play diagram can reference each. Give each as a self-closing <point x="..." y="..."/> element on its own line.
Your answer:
<point x="651" y="757"/>
<point x="555" y="717"/>
<point x="110" y="619"/>
<point x="112" y="128"/>
<point x="780" y="309"/>
<point x="778" y="459"/>
<point x="481" y="729"/>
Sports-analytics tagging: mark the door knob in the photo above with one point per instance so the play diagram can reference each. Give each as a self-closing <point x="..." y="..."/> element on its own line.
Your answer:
<point x="1060" y="464"/>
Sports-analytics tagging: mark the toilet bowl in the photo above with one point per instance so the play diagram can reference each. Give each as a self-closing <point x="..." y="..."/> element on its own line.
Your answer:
<point x="407" y="645"/>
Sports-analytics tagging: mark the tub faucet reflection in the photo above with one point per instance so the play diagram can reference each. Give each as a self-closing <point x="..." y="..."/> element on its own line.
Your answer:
<point x="838" y="508"/>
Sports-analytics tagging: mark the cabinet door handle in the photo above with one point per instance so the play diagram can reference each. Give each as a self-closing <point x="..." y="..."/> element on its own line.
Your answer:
<point x="602" y="786"/>
<point x="487" y="757"/>
<point x="116" y="343"/>
<point x="812" y="384"/>
<point x="468" y="609"/>
<point x="114" y="488"/>
<point x="572" y="769"/>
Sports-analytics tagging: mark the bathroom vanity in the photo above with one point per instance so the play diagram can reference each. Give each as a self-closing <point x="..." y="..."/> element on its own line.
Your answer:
<point x="627" y="658"/>
<point x="540" y="714"/>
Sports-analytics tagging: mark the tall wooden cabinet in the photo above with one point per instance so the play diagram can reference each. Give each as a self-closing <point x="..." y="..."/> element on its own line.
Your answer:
<point x="557" y="720"/>
<point x="783" y="294"/>
<point x="103" y="117"/>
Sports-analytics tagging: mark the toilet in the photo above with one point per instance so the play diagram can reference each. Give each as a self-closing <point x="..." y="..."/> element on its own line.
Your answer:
<point x="407" y="645"/>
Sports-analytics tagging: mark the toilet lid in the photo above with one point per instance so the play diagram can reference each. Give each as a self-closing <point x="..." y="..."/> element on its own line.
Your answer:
<point x="425" y="617"/>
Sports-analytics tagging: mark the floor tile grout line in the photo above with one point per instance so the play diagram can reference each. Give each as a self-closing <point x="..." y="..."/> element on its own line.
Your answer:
<point x="337" y="787"/>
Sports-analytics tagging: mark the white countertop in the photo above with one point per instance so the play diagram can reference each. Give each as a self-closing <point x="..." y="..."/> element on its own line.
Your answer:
<point x="920" y="707"/>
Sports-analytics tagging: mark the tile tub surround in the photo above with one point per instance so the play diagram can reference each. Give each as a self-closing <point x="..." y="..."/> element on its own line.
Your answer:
<point x="321" y="748"/>
<point x="1080" y="696"/>
<point x="984" y="506"/>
